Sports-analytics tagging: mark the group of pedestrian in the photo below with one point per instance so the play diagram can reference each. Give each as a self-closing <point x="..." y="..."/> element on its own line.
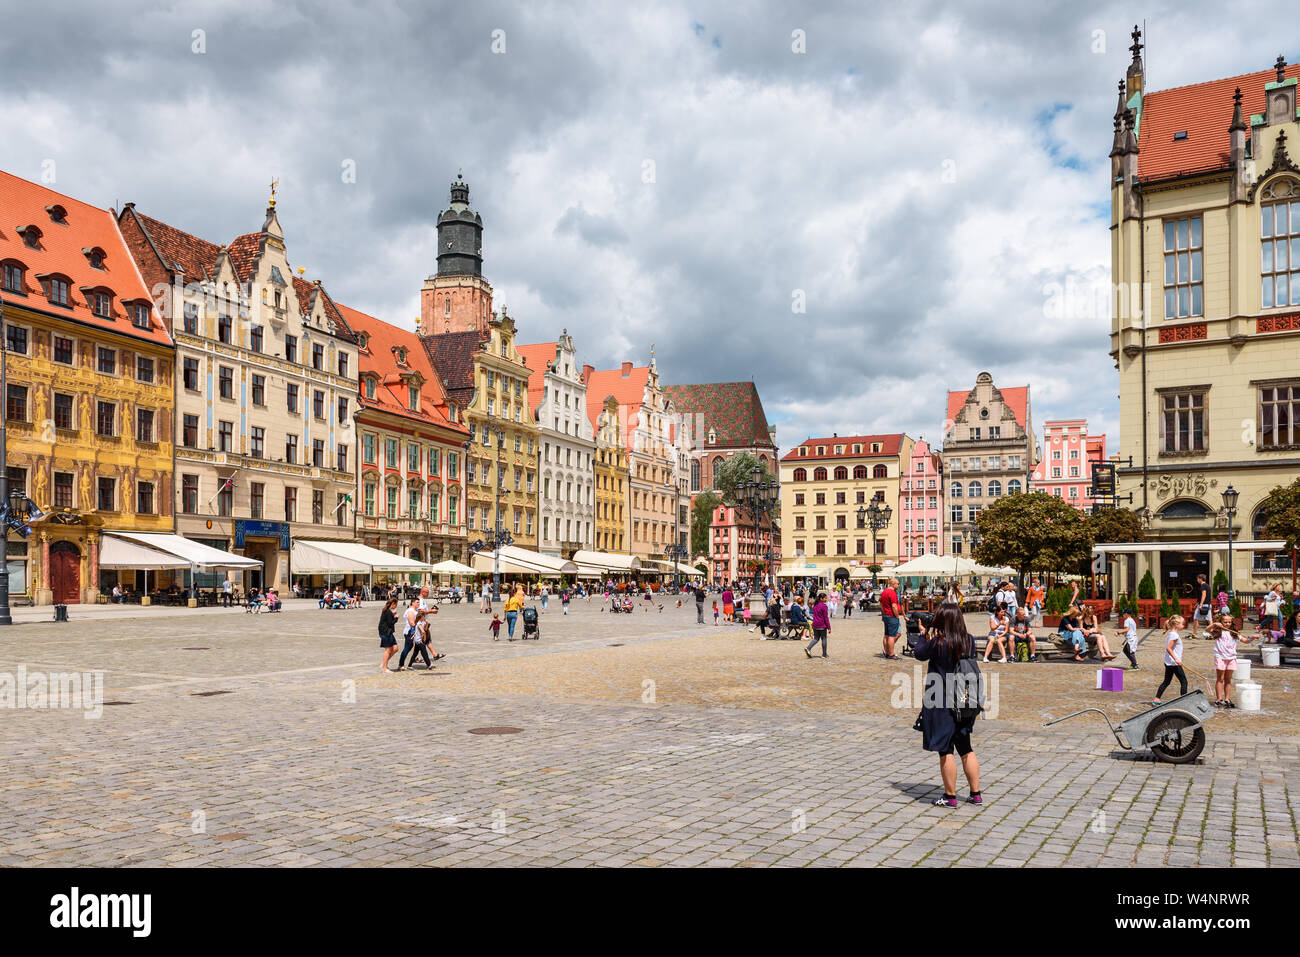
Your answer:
<point x="415" y="635"/>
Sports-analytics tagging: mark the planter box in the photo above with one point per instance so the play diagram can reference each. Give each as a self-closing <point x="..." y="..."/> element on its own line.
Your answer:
<point x="1051" y="621"/>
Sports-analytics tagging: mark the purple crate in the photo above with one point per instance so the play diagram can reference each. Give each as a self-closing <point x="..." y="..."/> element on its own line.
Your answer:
<point x="1112" y="679"/>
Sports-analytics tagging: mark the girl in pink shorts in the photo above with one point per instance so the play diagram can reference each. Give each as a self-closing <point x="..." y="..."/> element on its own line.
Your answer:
<point x="1225" y="659"/>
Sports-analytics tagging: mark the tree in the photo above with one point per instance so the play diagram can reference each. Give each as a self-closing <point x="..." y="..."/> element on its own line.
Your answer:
<point x="701" y="519"/>
<point x="1033" y="532"/>
<point x="737" y="469"/>
<point x="1280" y="512"/>
<point x="1116" y="525"/>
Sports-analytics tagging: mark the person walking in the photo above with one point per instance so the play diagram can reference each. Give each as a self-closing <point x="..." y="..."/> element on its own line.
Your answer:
<point x="944" y="645"/>
<point x="565" y="598"/>
<point x="699" y="604"/>
<point x="421" y="640"/>
<point x="1173" y="658"/>
<point x="227" y="591"/>
<point x="485" y="604"/>
<point x="1202" y="612"/>
<point x="409" y="618"/>
<point x="728" y="604"/>
<point x="545" y="596"/>
<point x="821" y="626"/>
<point x="387" y="636"/>
<point x="1034" y="599"/>
<point x="848" y="603"/>
<point x="890" y="612"/>
<point x="1130" y="633"/>
<point x="514" y="605"/>
<point x="495" y="628"/>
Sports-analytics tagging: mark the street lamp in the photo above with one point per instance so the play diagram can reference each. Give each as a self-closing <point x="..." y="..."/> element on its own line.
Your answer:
<point x="875" y="517"/>
<point x="676" y="551"/>
<point x="761" y="498"/>
<point x="1230" y="509"/>
<point x="500" y="536"/>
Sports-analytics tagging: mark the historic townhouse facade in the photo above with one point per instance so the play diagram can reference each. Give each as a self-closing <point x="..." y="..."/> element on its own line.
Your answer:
<point x="720" y="420"/>
<point x="1069" y="454"/>
<point x="89" y="400"/>
<point x="265" y="392"/>
<point x="611" y="478"/>
<point x="920" y="504"/>
<point x="472" y="350"/>
<point x="1205" y="219"/>
<point x="411" y="498"/>
<point x="824" y="482"/>
<point x="741" y="544"/>
<point x="557" y="397"/>
<point x="988" y="451"/>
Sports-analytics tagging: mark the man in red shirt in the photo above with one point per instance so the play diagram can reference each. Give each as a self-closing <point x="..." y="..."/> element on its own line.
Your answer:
<point x="892" y="612"/>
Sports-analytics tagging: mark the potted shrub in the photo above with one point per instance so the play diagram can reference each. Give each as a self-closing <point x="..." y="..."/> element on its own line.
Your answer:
<point x="1148" y="605"/>
<point x="1055" y="603"/>
<point x="1234" y="608"/>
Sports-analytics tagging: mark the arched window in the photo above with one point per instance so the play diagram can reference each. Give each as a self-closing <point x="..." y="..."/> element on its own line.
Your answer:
<point x="880" y="472"/>
<point x="1279" y="235"/>
<point x="1265" y="563"/>
<point x="1013" y="487"/>
<point x="954" y="490"/>
<point x="859" y="471"/>
<point x="1184" y="509"/>
<point x="717" y="467"/>
<point x="975" y="490"/>
<point x="819" y="475"/>
<point x="801" y="475"/>
<point x="695" y="475"/>
<point x="841" y="474"/>
<point x="995" y="489"/>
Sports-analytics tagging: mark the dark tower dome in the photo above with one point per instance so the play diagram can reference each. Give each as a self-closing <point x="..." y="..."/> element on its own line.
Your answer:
<point x="460" y="235"/>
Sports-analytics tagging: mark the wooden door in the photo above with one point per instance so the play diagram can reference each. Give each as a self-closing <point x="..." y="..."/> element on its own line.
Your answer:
<point x="65" y="573"/>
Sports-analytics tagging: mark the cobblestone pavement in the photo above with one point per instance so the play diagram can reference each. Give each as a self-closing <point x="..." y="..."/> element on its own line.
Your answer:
<point x="738" y="752"/>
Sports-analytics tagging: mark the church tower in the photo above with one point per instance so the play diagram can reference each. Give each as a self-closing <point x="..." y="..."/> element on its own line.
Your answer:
<point x="457" y="298"/>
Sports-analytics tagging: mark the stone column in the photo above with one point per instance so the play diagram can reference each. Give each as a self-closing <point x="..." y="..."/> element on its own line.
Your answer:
<point x="43" y="595"/>
<point x="92" y="585"/>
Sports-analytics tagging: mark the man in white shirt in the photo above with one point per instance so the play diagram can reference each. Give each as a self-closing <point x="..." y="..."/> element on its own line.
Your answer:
<point x="227" y="591"/>
<point x="1007" y="596"/>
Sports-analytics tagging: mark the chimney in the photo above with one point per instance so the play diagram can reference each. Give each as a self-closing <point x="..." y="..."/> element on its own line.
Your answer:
<point x="587" y="370"/>
<point x="627" y="369"/>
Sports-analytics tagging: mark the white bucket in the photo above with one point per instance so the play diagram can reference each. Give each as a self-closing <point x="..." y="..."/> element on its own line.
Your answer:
<point x="1099" y="670"/>
<point x="1270" y="656"/>
<point x="1248" y="696"/>
<point x="1242" y="671"/>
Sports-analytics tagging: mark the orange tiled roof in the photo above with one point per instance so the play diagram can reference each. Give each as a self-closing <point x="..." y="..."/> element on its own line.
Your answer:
<point x="59" y="251"/>
<point x="628" y="391"/>
<point x="173" y="247"/>
<point x="380" y="359"/>
<point x="1016" y="398"/>
<point x="243" y="252"/>
<point x="1204" y="111"/>
<point x="536" y="356"/>
<point x="889" y="445"/>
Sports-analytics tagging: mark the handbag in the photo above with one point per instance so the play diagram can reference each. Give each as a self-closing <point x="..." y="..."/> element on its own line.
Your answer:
<point x="1271" y="608"/>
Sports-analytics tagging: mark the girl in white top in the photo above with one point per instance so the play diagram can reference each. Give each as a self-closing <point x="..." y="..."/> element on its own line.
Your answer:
<point x="1173" y="658"/>
<point x="1225" y="659"/>
<point x="998" y="626"/>
<point x="1130" y="635"/>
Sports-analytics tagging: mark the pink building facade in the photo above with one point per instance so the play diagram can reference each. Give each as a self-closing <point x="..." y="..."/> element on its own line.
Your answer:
<point x="920" y="504"/>
<point x="1068" y="456"/>
<point x="735" y="543"/>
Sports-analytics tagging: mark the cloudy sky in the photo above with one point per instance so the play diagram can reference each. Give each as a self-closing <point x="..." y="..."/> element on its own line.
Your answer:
<point x="921" y="178"/>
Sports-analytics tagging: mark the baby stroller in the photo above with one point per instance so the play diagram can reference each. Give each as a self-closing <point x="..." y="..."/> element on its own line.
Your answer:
<point x="917" y="622"/>
<point x="530" y="624"/>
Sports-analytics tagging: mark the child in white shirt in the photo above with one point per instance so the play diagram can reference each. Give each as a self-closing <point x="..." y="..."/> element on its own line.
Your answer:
<point x="1130" y="634"/>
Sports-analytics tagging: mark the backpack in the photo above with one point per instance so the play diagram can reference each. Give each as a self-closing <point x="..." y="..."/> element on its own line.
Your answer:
<point x="967" y="684"/>
<point x="993" y="604"/>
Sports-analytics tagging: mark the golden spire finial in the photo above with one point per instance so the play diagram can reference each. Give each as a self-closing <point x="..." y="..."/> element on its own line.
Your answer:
<point x="274" y="184"/>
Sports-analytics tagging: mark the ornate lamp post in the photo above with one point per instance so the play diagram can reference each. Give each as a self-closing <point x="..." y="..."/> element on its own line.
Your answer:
<point x="1230" y="510"/>
<point x="676" y="551"/>
<point x="761" y="498"/>
<point x="875" y="517"/>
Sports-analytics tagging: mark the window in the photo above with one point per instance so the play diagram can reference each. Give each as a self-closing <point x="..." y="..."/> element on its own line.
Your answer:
<point x="1279" y="410"/>
<point x="259" y="390"/>
<point x="368" y="448"/>
<point x="839" y="498"/>
<point x="368" y="499"/>
<point x="860" y="472"/>
<point x="107" y="499"/>
<point x="107" y="361"/>
<point x="318" y="454"/>
<point x="101" y="304"/>
<point x="841" y="474"/>
<point x="317" y="356"/>
<point x="880" y="472"/>
<point x="975" y="432"/>
<point x="798" y="522"/>
<point x="453" y="461"/>
<point x="291" y="449"/>
<point x="819" y="498"/>
<point x="1183" y="289"/>
<point x="256" y="499"/>
<point x="58" y="291"/>
<point x="190" y="374"/>
<point x="413" y="398"/>
<point x="143" y="369"/>
<point x="368" y="387"/>
<point x="954" y="490"/>
<point x="342" y="458"/>
<point x="819" y="522"/>
<point x="257" y="442"/>
<point x="140" y="315"/>
<point x="798" y="498"/>
<point x="291" y="349"/>
<point x="226" y="382"/>
<point x="390" y="453"/>
<point x="343" y="409"/>
<point x="16" y="403"/>
<point x="340" y="509"/>
<point x="106" y="419"/>
<point x="435" y="457"/>
<point x="63" y="414"/>
<point x="291" y="397"/>
<point x="392" y="502"/>
<point x="63" y="490"/>
<point x="343" y="364"/>
<point x="318" y="404"/>
<point x="144" y="425"/>
<point x="190" y="318"/>
<point x="317" y="506"/>
<point x="1280" y="245"/>
<point x="63" y="350"/>
<point x="975" y="490"/>
<point x="255" y="337"/>
<point x="1013" y="487"/>
<point x="13" y="278"/>
<point x="1182" y="421"/>
<point x="225" y="436"/>
<point x="190" y="431"/>
<point x="413" y="503"/>
<point x="16" y="339"/>
<point x="412" y="457"/>
<point x="290" y="504"/>
<point x="189" y="494"/>
<point x="995" y="489"/>
<point x="840" y="521"/>
<point x="819" y="475"/>
<point x="144" y="498"/>
<point x="800" y="475"/>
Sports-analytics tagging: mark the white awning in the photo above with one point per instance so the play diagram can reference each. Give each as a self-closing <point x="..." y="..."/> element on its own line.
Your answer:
<point x="192" y="553"/>
<point x="1128" y="548"/>
<point x="610" y="561"/>
<point x="521" y="561"/>
<point x="684" y="569"/>
<point x="119" y="553"/>
<point x="317" y="557"/>
<point x="452" y="567"/>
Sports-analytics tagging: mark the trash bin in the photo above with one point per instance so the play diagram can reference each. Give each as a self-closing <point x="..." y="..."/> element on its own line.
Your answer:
<point x="60" y="612"/>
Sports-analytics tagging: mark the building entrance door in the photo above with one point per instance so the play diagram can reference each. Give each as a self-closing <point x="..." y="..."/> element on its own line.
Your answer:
<point x="1178" y="571"/>
<point x="65" y="573"/>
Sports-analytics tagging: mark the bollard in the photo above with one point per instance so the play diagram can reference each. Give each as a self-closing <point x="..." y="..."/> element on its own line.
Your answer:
<point x="60" y="612"/>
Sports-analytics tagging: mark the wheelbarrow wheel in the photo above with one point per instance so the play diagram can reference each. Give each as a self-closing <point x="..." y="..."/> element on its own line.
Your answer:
<point x="1179" y="746"/>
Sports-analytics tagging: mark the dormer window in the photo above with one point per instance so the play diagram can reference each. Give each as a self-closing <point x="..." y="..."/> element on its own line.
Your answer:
<point x="56" y="289"/>
<point x="94" y="256"/>
<point x="363" y="341"/>
<point x="13" y="277"/>
<point x="57" y="214"/>
<point x="140" y="315"/>
<point x="31" y="236"/>
<point x="413" y="398"/>
<point x="101" y="304"/>
<point x="368" y="387"/>
<point x="713" y="437"/>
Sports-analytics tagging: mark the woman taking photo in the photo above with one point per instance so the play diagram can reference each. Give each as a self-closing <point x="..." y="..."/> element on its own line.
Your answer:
<point x="943" y="646"/>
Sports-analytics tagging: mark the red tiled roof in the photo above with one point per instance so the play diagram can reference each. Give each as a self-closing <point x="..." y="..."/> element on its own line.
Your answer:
<point x="379" y="359"/>
<point x="536" y="356"/>
<point x="1016" y="398"/>
<point x="170" y="246"/>
<point x="1204" y="111"/>
<point x="243" y="252"/>
<point x="732" y="410"/>
<point x="451" y="355"/>
<point x="59" y="251"/>
<point x="889" y="445"/>
<point x="629" y="392"/>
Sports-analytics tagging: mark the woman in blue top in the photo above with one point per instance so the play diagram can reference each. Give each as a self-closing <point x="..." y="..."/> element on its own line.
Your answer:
<point x="943" y="645"/>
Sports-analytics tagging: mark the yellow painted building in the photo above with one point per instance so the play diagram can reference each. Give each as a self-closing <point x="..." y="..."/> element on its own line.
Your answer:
<point x="89" y="400"/>
<point x="611" y="480"/>
<point x="1205" y="334"/>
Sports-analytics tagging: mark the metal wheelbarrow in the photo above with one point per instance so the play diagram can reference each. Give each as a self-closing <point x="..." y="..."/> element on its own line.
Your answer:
<point x="1173" y="730"/>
